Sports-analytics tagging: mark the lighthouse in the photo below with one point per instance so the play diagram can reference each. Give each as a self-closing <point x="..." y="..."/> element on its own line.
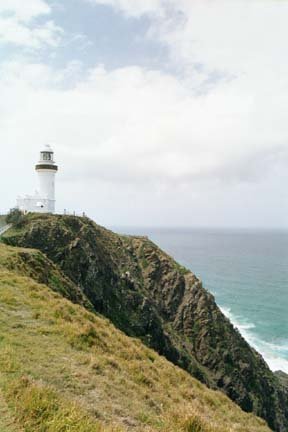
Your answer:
<point x="43" y="201"/>
<point x="46" y="170"/>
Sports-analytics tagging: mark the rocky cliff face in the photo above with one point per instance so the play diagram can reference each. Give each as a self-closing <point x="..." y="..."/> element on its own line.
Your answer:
<point x="34" y="264"/>
<point x="148" y="295"/>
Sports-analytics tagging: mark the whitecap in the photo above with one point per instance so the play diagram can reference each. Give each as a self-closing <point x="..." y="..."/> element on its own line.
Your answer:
<point x="274" y="354"/>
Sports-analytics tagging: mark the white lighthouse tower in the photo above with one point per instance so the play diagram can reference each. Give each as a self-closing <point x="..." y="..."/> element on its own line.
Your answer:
<point x="44" y="199"/>
<point x="46" y="170"/>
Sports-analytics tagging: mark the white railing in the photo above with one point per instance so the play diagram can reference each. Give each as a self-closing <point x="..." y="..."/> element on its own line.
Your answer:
<point x="73" y="213"/>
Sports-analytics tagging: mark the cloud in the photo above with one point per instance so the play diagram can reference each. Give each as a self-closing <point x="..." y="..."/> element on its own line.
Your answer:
<point x="134" y="8"/>
<point x="215" y="34"/>
<point x="24" y="11"/>
<point x="19" y="27"/>
<point x="135" y="125"/>
<point x="231" y="58"/>
<point x="16" y="33"/>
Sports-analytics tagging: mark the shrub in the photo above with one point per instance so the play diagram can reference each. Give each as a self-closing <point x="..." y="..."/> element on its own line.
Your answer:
<point x="15" y="217"/>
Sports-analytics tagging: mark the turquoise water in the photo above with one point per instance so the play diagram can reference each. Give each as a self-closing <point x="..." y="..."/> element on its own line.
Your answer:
<point x="247" y="271"/>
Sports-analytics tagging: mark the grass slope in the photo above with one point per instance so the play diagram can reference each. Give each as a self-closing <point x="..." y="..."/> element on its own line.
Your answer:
<point x="63" y="368"/>
<point x="146" y="294"/>
<point x="2" y="221"/>
<point x="7" y="420"/>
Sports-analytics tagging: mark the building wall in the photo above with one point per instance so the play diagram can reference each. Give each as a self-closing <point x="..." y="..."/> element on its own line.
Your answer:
<point x="30" y="204"/>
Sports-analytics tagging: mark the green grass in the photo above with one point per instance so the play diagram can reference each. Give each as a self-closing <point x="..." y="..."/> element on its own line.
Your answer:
<point x="63" y="368"/>
<point x="2" y="221"/>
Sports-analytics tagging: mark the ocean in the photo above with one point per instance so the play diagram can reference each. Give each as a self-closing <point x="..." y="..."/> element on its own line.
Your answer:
<point x="247" y="271"/>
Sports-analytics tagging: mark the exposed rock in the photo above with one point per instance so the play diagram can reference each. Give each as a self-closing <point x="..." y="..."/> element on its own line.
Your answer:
<point x="283" y="377"/>
<point x="34" y="264"/>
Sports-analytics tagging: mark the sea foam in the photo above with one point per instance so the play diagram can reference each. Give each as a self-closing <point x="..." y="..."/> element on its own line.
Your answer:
<point x="273" y="354"/>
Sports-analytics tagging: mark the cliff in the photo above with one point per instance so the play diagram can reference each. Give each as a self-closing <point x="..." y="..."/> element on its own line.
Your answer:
<point x="283" y="377"/>
<point x="63" y="368"/>
<point x="146" y="294"/>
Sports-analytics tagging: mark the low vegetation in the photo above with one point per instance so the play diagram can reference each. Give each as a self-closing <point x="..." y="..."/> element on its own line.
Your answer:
<point x="2" y="220"/>
<point x="15" y="217"/>
<point x="63" y="368"/>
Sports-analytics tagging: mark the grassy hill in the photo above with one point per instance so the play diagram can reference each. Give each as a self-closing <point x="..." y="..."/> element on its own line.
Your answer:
<point x="149" y="296"/>
<point x="63" y="368"/>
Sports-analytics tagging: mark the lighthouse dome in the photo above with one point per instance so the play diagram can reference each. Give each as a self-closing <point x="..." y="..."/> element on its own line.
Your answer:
<point x="47" y="148"/>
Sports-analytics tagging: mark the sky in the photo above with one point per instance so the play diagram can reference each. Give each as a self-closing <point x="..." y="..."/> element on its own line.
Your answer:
<point x="167" y="113"/>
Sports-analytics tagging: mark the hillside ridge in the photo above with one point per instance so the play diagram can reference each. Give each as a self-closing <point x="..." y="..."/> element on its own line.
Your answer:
<point x="146" y="294"/>
<point x="63" y="368"/>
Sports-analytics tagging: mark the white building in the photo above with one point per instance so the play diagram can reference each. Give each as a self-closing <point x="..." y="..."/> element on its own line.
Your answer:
<point x="43" y="201"/>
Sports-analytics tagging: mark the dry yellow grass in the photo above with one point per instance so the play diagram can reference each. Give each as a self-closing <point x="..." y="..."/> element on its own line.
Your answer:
<point x="65" y="369"/>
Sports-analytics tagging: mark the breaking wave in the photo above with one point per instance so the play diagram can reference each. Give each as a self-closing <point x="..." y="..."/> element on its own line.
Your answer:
<point x="274" y="354"/>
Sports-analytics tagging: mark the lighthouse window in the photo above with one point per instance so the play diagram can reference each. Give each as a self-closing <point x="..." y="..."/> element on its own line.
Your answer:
<point x="46" y="156"/>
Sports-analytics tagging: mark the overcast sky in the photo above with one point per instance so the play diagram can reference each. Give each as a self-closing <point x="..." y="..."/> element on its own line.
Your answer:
<point x="160" y="112"/>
